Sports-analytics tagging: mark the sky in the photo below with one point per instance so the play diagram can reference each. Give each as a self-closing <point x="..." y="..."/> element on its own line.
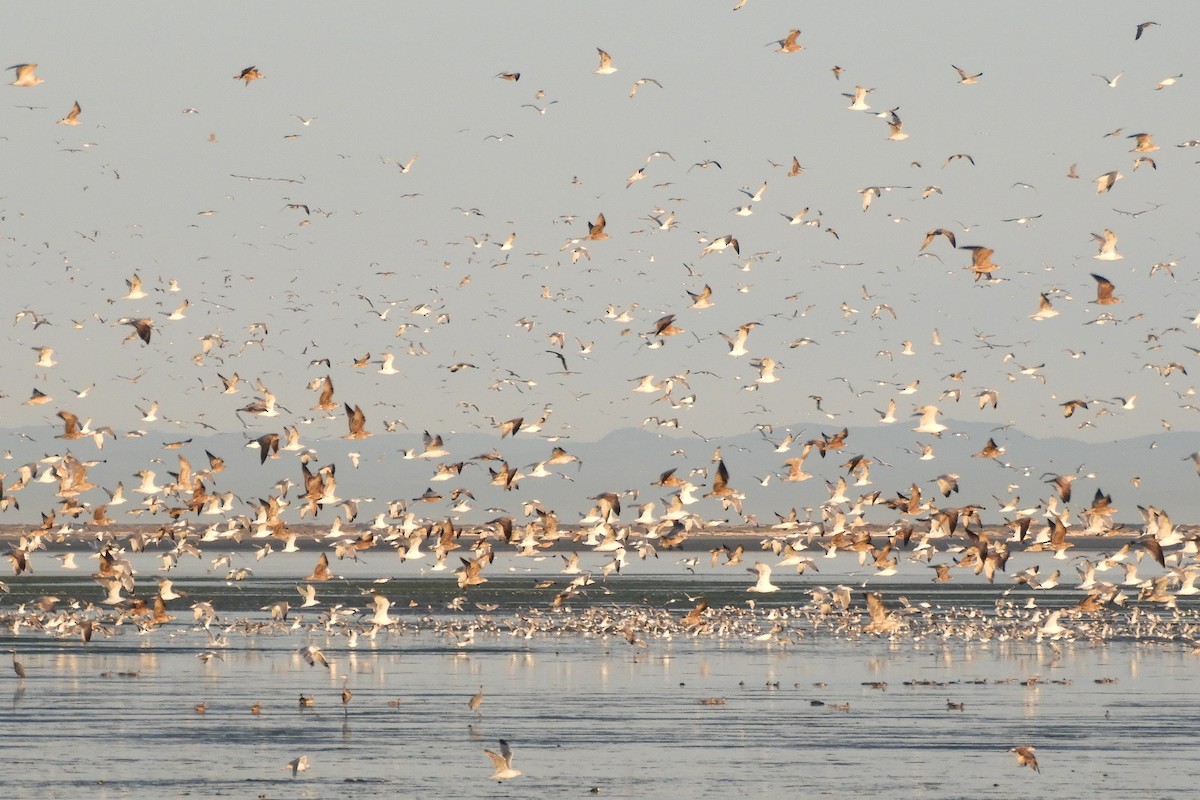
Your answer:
<point x="180" y="172"/>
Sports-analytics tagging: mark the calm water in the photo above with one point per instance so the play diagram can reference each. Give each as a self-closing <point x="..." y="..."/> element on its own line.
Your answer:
<point x="580" y="711"/>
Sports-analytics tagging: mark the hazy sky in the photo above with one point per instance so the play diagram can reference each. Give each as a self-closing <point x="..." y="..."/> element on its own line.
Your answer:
<point x="143" y="187"/>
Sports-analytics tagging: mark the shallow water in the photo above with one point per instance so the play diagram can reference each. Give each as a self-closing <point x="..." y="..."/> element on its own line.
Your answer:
<point x="580" y="711"/>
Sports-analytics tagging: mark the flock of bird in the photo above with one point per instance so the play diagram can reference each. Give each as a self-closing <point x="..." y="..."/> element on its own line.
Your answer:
<point x="239" y="371"/>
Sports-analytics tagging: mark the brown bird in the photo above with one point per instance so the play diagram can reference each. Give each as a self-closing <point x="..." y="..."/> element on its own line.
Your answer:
<point x="1025" y="757"/>
<point x="511" y="427"/>
<point x="1063" y="484"/>
<point x="936" y="232"/>
<point x="981" y="260"/>
<point x="1104" y="291"/>
<point x="596" y="229"/>
<point x="789" y="43"/>
<point x="666" y="327"/>
<point x="321" y="570"/>
<point x="325" y="400"/>
<point x="248" y="74"/>
<point x="1070" y="406"/>
<point x="268" y="443"/>
<point x="357" y="422"/>
<point x="990" y="450"/>
<point x="71" y="428"/>
<point x="141" y="328"/>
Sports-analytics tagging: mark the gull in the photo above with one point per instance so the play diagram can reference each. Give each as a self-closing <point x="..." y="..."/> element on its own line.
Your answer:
<point x="299" y="764"/>
<point x="1025" y="757"/>
<point x="25" y="75"/>
<point x="1165" y="82"/>
<point x="509" y="76"/>
<point x="664" y="222"/>
<point x="1022" y="220"/>
<point x="606" y="67"/>
<point x="737" y="343"/>
<point x="45" y="357"/>
<point x="1141" y="28"/>
<point x="502" y="763"/>
<point x="859" y="98"/>
<point x="964" y="78"/>
<point x="702" y="299"/>
<point x="640" y="82"/>
<point x="313" y="655"/>
<point x="1045" y="309"/>
<point x="1108" y="246"/>
<point x="766" y="370"/>
<point x="721" y="243"/>
<point x="148" y="414"/>
<point x="433" y="447"/>
<point x="178" y="314"/>
<point x="1106" y="181"/>
<point x="764" y="584"/>
<point x="404" y="168"/>
<point x="929" y="423"/>
<point x="248" y="74"/>
<point x="388" y="365"/>
<point x="72" y="117"/>
<point x="1104" y="291"/>
<point x="262" y="406"/>
<point x="756" y="195"/>
<point x="135" y="288"/>
<point x="1112" y="82"/>
<point x="308" y="592"/>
